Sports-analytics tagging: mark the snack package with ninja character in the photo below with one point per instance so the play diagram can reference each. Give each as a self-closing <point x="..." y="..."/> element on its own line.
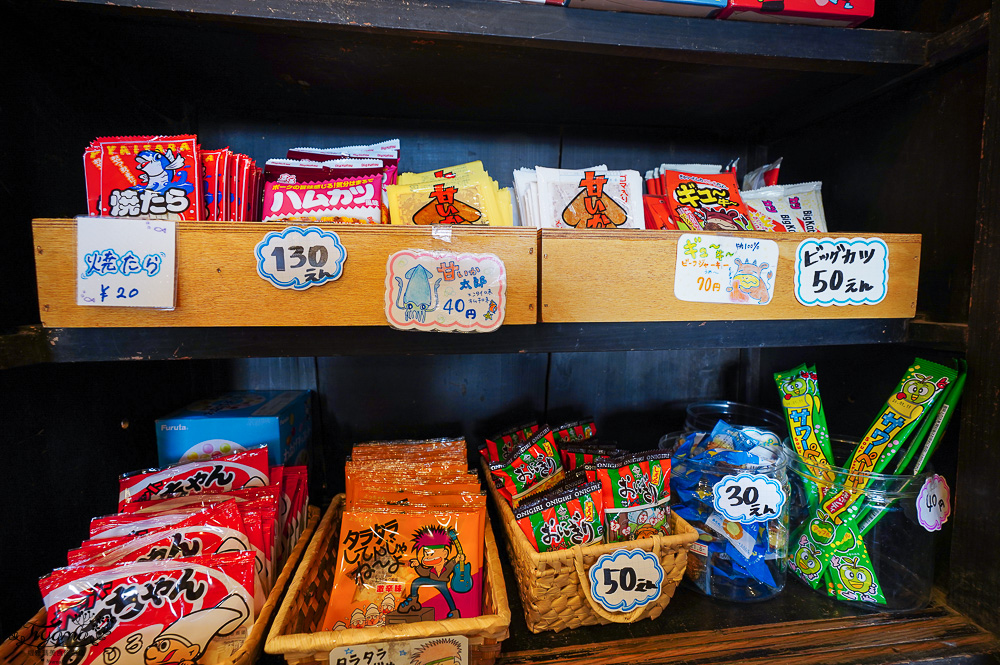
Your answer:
<point x="191" y="610"/>
<point x="636" y="491"/>
<point x="563" y="518"/>
<point x="146" y="177"/>
<point x="404" y="565"/>
<point x="533" y="467"/>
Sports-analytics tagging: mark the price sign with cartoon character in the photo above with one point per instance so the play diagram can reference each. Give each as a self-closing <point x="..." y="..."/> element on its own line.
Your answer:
<point x="841" y="271"/>
<point x="125" y="262"/>
<point x="724" y="269"/>
<point x="445" y="291"/>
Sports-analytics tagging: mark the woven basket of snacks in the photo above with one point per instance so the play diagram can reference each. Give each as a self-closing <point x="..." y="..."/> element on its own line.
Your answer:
<point x="555" y="585"/>
<point x="297" y="631"/>
<point x="27" y="645"/>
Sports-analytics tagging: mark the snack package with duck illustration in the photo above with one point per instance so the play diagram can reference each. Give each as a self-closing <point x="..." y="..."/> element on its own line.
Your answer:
<point x="412" y="536"/>
<point x="169" y="177"/>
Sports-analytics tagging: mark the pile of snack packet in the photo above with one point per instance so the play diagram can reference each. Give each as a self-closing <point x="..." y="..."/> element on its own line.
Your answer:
<point x="344" y="185"/>
<point x="911" y="422"/>
<point x="706" y="197"/>
<point x="732" y="559"/>
<point x="169" y="177"/>
<point x="568" y="489"/>
<point x="461" y="194"/>
<point x="592" y="198"/>
<point x="411" y="538"/>
<point x="183" y="569"/>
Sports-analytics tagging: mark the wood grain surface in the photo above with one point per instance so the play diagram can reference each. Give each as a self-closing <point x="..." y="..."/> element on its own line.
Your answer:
<point x="218" y="285"/>
<point x="618" y="275"/>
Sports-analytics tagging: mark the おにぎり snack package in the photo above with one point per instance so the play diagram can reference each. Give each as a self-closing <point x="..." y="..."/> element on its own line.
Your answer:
<point x="636" y="491"/>
<point x="565" y="519"/>
<point x="145" y="177"/>
<point x="498" y="446"/>
<point x="575" y="432"/>
<point x="240" y="470"/>
<point x="191" y="610"/>
<point x="705" y="202"/>
<point x="533" y="467"/>
<point x="407" y="565"/>
<point x="585" y="199"/>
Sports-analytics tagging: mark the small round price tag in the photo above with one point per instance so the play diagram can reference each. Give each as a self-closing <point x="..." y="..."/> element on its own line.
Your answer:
<point x="626" y="579"/>
<point x="748" y="498"/>
<point x="934" y="503"/>
<point x="299" y="258"/>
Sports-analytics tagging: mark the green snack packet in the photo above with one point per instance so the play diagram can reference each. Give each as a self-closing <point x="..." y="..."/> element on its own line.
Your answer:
<point x="563" y="520"/>
<point x="533" y="467"/>
<point x="807" y="428"/>
<point x="916" y="392"/>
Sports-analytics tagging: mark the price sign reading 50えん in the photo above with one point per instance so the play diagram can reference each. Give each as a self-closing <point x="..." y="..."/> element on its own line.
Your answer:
<point x="626" y="579"/>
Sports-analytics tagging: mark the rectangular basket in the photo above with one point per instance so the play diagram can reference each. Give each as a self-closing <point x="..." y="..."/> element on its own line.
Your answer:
<point x="294" y="633"/>
<point x="25" y="646"/>
<point x="553" y="585"/>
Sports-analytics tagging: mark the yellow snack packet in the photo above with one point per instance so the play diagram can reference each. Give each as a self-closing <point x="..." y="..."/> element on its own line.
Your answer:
<point x="464" y="199"/>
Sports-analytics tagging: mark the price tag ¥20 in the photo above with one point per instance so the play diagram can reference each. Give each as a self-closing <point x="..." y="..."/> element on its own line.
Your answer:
<point x="125" y="262"/>
<point x="934" y="503"/>
<point x="626" y="579"/>
<point x="299" y="258"/>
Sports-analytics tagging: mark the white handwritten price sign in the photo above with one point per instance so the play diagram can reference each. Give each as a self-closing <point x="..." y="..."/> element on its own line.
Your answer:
<point x="298" y="258"/>
<point x="125" y="262"/>
<point x="748" y="498"/>
<point x="934" y="503"/>
<point x="626" y="579"/>
<point x="841" y="271"/>
<point x="447" y="291"/>
<point x="447" y="650"/>
<point x="725" y="269"/>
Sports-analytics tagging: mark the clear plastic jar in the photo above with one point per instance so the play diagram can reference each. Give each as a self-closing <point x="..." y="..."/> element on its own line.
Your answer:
<point x="763" y="424"/>
<point x="880" y="557"/>
<point x="743" y="560"/>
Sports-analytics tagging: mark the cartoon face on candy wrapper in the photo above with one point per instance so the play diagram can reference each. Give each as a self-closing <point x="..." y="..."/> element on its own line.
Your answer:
<point x="856" y="578"/>
<point x="184" y="641"/>
<point x="357" y="619"/>
<point x="806" y="560"/>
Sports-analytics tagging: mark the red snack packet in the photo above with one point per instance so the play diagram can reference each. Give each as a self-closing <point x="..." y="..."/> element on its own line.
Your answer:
<point x="234" y="187"/>
<point x="214" y="164"/>
<point x="700" y="202"/>
<point x="657" y="211"/>
<point x="243" y="469"/>
<point x="190" y="610"/>
<point x="149" y="176"/>
<point x="92" y="177"/>
<point x="387" y="151"/>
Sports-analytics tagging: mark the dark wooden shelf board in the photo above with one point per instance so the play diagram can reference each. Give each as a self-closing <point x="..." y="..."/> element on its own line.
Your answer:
<point x="101" y="344"/>
<point x="617" y="33"/>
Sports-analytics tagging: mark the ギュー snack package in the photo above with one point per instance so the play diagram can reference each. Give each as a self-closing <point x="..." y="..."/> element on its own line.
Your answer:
<point x="149" y="176"/>
<point x="705" y="201"/>
<point x="190" y="610"/>
<point x="589" y="199"/>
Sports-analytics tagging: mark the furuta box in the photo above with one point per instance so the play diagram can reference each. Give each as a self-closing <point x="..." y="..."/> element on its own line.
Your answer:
<point x="844" y="13"/>
<point x="237" y="420"/>
<point x="698" y="8"/>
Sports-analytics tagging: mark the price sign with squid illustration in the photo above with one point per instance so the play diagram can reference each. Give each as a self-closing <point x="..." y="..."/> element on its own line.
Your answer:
<point x="445" y="291"/>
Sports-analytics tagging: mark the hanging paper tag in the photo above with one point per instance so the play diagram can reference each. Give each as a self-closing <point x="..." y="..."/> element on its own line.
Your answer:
<point x="725" y="269"/>
<point x="446" y="291"/>
<point x="447" y="650"/>
<point x="841" y="271"/>
<point x="748" y="498"/>
<point x="298" y="258"/>
<point x="934" y="503"/>
<point x="125" y="262"/>
<point x="626" y="579"/>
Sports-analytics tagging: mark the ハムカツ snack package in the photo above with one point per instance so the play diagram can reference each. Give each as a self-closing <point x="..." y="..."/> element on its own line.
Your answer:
<point x="190" y="610"/>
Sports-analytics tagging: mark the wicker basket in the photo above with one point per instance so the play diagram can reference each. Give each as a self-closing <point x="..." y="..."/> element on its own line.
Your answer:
<point x="294" y="631"/>
<point x="554" y="589"/>
<point x="25" y="646"/>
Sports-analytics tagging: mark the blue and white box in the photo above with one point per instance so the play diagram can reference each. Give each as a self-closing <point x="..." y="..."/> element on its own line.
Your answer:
<point x="282" y="419"/>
